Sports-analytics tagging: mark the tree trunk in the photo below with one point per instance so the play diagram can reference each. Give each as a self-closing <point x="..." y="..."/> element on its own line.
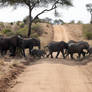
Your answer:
<point x="30" y="22"/>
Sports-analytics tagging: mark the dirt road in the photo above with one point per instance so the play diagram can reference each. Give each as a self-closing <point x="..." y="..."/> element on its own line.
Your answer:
<point x="54" y="75"/>
<point x="60" y="33"/>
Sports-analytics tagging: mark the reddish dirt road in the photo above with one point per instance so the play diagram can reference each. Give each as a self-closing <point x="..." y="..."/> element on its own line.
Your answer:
<point x="55" y="75"/>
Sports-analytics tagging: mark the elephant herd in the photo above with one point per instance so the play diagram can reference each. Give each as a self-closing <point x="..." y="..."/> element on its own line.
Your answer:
<point x="69" y="48"/>
<point x="10" y="44"/>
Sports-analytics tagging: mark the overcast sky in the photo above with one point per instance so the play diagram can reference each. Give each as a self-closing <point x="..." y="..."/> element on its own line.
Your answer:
<point x="78" y="12"/>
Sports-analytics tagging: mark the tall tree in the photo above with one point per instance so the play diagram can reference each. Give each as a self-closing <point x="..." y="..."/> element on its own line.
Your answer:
<point x="89" y="8"/>
<point x="32" y="4"/>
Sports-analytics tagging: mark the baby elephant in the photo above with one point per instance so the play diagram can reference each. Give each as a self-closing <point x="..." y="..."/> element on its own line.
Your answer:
<point x="38" y="53"/>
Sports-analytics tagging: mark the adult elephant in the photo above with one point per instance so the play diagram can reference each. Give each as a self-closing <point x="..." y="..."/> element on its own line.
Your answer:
<point x="57" y="47"/>
<point x="29" y="43"/>
<point x="77" y="47"/>
<point x="71" y="41"/>
<point x="8" y="43"/>
<point x="84" y="44"/>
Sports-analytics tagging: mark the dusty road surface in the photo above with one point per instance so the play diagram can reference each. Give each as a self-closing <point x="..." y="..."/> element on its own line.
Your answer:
<point x="60" y="33"/>
<point x="55" y="75"/>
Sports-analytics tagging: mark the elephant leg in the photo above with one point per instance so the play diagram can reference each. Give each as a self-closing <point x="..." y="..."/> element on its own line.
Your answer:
<point x="57" y="54"/>
<point x="71" y="56"/>
<point x="30" y="51"/>
<point x="83" y="53"/>
<point x="12" y="51"/>
<point x="51" y="54"/>
<point x="79" y="55"/>
<point x="63" y="54"/>
<point x="67" y="54"/>
<point x="2" y="51"/>
<point x="30" y="48"/>
<point x="23" y="51"/>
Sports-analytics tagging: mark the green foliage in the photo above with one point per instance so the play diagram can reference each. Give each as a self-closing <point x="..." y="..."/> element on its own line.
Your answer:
<point x="22" y="31"/>
<point x="36" y="28"/>
<point x="32" y="4"/>
<point x="26" y="20"/>
<point x="22" y="25"/>
<point x="72" y="22"/>
<point x="87" y="31"/>
<point x="2" y="25"/>
<point x="7" y="32"/>
<point x="18" y="23"/>
<point x="11" y="23"/>
<point x="35" y="35"/>
<point x="36" y="31"/>
<point x="79" y="22"/>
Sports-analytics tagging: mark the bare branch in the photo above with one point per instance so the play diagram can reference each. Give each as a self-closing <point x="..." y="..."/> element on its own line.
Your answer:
<point x="46" y="10"/>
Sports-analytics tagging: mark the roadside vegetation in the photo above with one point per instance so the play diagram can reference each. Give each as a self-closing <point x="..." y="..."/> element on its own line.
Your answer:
<point x="21" y="29"/>
<point x="87" y="31"/>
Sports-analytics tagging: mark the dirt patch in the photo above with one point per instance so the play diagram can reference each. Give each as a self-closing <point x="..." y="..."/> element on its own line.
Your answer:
<point x="47" y="35"/>
<point x="74" y="31"/>
<point x="5" y="81"/>
<point x="9" y="70"/>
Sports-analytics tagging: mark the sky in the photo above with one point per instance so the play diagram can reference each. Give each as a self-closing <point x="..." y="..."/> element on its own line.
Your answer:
<point x="77" y="13"/>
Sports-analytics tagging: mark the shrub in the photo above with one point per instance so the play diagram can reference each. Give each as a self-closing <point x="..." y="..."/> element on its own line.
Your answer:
<point x="22" y="31"/>
<point x="35" y="35"/>
<point x="87" y="31"/>
<point x="37" y="28"/>
<point x="22" y="25"/>
<point x="11" y="23"/>
<point x="36" y="31"/>
<point x="5" y="31"/>
<point x="88" y="35"/>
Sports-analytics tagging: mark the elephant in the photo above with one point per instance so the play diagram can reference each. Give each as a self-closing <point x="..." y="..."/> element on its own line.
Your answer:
<point x="57" y="47"/>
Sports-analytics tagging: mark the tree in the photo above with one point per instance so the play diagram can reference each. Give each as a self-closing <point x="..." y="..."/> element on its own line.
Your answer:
<point x="72" y="22"/>
<point x="89" y="8"/>
<point x="58" y="21"/>
<point x="79" y="22"/>
<point x="32" y="4"/>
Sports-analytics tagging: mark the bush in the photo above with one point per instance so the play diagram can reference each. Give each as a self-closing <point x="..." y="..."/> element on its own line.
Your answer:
<point x="22" y="25"/>
<point x="11" y="23"/>
<point x="35" y="35"/>
<point x="36" y="31"/>
<point x="88" y="35"/>
<point x="36" y="28"/>
<point x="87" y="31"/>
<point x="22" y="31"/>
<point x="5" y="31"/>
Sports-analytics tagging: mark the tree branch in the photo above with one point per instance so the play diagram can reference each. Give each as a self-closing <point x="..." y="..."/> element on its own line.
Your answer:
<point x="46" y="10"/>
